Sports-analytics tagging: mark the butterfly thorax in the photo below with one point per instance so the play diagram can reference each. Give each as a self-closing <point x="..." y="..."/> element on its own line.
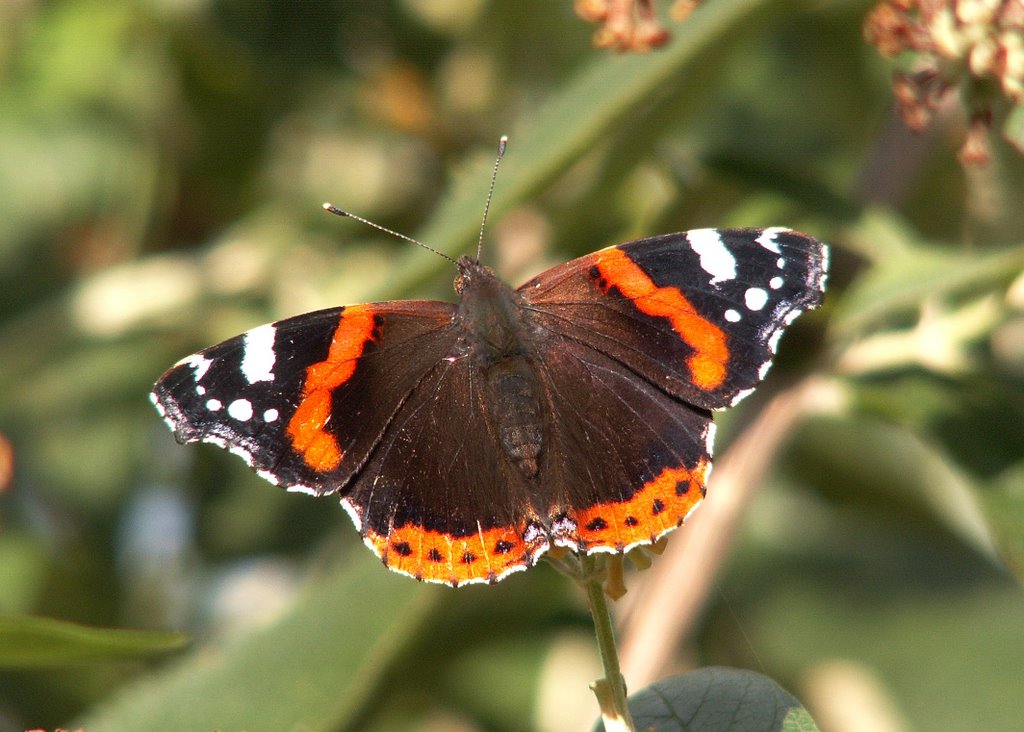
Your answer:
<point x="498" y="339"/>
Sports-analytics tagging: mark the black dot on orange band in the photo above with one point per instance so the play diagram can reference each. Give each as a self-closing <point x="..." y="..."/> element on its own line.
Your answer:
<point x="682" y="487"/>
<point x="402" y="547"/>
<point x="468" y="558"/>
<point x="631" y="521"/>
<point x="597" y="524"/>
<point x="657" y="506"/>
<point x="600" y="280"/>
<point x="434" y="555"/>
<point x="503" y="547"/>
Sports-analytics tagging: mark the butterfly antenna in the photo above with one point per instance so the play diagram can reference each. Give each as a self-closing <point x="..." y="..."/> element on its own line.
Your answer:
<point x="331" y="208"/>
<point x="502" y="144"/>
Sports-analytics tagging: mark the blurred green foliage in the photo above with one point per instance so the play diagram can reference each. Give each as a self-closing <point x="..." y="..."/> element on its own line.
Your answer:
<point x="162" y="166"/>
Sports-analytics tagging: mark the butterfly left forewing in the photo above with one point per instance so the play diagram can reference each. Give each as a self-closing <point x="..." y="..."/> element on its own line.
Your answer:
<point x="304" y="400"/>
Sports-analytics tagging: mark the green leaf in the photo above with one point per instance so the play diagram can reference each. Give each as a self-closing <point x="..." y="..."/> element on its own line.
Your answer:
<point x="911" y="635"/>
<point x="866" y="461"/>
<point x="314" y="669"/>
<point x="1013" y="128"/>
<point x="1003" y="504"/>
<point x="719" y="699"/>
<point x="33" y="642"/>
<point x="593" y="103"/>
<point x="798" y="720"/>
<point x="906" y="272"/>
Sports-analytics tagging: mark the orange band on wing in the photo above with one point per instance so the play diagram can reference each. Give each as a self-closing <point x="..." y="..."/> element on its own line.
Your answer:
<point x="708" y="341"/>
<point x="661" y="505"/>
<point x="318" y="447"/>
<point x="438" y="557"/>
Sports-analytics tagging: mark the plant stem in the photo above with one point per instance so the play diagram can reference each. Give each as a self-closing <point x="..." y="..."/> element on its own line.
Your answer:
<point x="611" y="690"/>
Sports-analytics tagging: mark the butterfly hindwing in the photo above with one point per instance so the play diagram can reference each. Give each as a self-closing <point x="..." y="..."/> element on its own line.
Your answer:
<point x="626" y="462"/>
<point x="438" y="500"/>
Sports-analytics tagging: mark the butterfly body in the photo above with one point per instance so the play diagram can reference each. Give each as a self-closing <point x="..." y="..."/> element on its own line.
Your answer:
<point x="500" y="339"/>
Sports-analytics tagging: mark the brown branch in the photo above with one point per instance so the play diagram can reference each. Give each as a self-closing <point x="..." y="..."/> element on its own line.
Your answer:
<point x="665" y="601"/>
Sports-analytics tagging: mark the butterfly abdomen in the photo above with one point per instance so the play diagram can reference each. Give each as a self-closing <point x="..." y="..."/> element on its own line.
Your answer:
<point x="499" y="341"/>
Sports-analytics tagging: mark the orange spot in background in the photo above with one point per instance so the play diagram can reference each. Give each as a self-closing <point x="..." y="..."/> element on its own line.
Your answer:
<point x="637" y="520"/>
<point x="711" y="352"/>
<point x="6" y="463"/>
<point x="438" y="557"/>
<point x="318" y="447"/>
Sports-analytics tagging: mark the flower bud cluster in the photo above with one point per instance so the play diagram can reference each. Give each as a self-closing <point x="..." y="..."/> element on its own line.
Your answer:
<point x="630" y="25"/>
<point x="976" y="46"/>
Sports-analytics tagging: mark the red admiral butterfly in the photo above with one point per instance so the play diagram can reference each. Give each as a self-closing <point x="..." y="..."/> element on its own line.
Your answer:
<point x="467" y="439"/>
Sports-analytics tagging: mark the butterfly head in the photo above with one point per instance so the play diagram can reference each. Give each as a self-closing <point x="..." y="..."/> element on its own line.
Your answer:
<point x="472" y="275"/>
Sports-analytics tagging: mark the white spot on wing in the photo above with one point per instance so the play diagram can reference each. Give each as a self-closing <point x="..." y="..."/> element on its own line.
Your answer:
<point x="268" y="476"/>
<point x="533" y="533"/>
<point x="741" y="395"/>
<point x="824" y="267"/>
<point x="600" y="548"/>
<point x="767" y="238"/>
<point x="755" y="298"/>
<point x="715" y="259"/>
<point x="775" y="283"/>
<point x="709" y="438"/>
<point x="353" y="513"/>
<point x="564" y="528"/>
<point x="732" y="316"/>
<point x="214" y="405"/>
<point x="242" y="453"/>
<point x="270" y="415"/>
<point x="258" y="355"/>
<point x="773" y="340"/>
<point x="198" y="362"/>
<point x="240" y="409"/>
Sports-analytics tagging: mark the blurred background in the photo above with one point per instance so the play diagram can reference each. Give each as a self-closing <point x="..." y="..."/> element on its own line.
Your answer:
<point x="162" y="166"/>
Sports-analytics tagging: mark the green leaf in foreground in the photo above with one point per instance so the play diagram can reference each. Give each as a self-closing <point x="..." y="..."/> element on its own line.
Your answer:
<point x="719" y="699"/>
<point x="33" y="642"/>
<point x="314" y="669"/>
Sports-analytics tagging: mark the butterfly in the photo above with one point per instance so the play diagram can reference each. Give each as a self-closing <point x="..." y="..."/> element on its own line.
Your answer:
<point x="466" y="439"/>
